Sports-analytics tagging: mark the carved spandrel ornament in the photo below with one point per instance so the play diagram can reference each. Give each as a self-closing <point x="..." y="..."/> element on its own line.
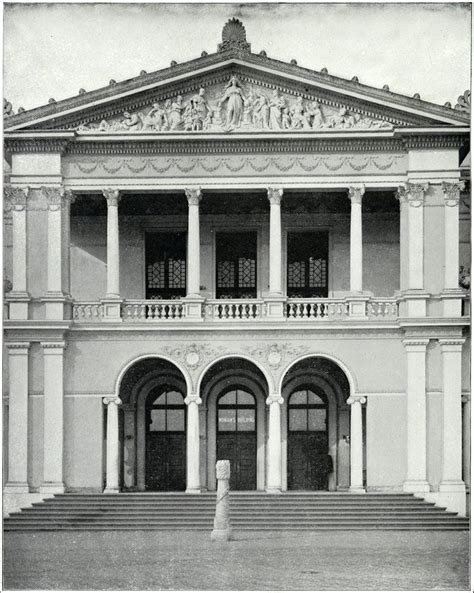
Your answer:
<point x="236" y="107"/>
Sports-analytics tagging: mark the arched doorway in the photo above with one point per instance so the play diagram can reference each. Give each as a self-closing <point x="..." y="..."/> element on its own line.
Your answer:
<point x="153" y="426"/>
<point x="315" y="426"/>
<point x="309" y="463"/>
<point x="165" y="440"/>
<point x="237" y="436"/>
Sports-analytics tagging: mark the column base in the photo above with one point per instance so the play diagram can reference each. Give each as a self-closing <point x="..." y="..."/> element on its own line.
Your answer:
<point x="357" y="302"/>
<point x="111" y="307"/>
<point x="415" y="302"/>
<point x="452" y="302"/>
<point x="416" y="486"/>
<point x="356" y="490"/>
<point x="275" y="305"/>
<point x="57" y="306"/>
<point x="52" y="488"/>
<point x="16" y="488"/>
<point x="193" y="491"/>
<point x="17" y="304"/>
<point x="193" y="307"/>
<point x="273" y="490"/>
<point x="452" y="495"/>
<point x="111" y="491"/>
<point x="221" y="535"/>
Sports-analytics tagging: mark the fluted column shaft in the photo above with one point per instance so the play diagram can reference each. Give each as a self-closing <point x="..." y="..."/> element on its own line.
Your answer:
<point x="355" y="195"/>
<point x="193" y="481"/>
<point x="53" y="355"/>
<point x="17" y="476"/>
<point x="275" y="196"/>
<point x="357" y="453"/>
<point x="112" y="445"/>
<point x="416" y="416"/>
<point x="194" y="243"/>
<point x="113" y="246"/>
<point x="274" y="444"/>
<point x="18" y="198"/>
<point x="451" y="234"/>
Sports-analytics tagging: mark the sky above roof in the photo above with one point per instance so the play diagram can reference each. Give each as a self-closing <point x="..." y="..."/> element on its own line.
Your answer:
<point x="53" y="50"/>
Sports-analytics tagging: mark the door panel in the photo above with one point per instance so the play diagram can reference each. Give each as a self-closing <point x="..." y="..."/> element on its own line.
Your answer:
<point x="240" y="449"/>
<point x="166" y="461"/>
<point x="308" y="461"/>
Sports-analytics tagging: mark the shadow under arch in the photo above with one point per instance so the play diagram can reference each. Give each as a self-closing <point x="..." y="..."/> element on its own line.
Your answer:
<point x="140" y="380"/>
<point x="339" y="366"/>
<point x="244" y="357"/>
<point x="316" y="455"/>
<point x="245" y="449"/>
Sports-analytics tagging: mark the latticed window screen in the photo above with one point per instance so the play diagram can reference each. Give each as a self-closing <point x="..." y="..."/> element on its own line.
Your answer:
<point x="317" y="272"/>
<point x="246" y="272"/>
<point x="156" y="275"/>
<point x="296" y="274"/>
<point x="226" y="274"/>
<point x="307" y="267"/>
<point x="177" y="273"/>
<point x="165" y="265"/>
<point x="236" y="259"/>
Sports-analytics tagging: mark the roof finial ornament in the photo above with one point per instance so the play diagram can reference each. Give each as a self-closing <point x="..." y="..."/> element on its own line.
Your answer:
<point x="464" y="102"/>
<point x="234" y="37"/>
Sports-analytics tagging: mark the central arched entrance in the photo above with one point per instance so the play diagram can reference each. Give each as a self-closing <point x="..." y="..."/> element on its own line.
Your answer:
<point x="309" y="462"/>
<point x="237" y="436"/>
<point x="165" y="439"/>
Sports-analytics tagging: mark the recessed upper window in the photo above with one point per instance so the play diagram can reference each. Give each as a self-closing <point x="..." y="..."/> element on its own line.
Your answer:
<point x="165" y="265"/>
<point x="236" y="265"/>
<point x="307" y="264"/>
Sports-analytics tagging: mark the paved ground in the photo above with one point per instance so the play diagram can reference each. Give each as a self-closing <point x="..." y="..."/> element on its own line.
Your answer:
<point x="254" y="561"/>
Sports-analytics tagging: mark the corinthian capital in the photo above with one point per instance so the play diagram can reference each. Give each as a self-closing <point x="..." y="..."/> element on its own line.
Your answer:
<point x="54" y="196"/>
<point x="356" y="193"/>
<point x="275" y="195"/>
<point x="112" y="196"/>
<point x="193" y="195"/>
<point x="452" y="192"/>
<point x="16" y="196"/>
<point x="415" y="193"/>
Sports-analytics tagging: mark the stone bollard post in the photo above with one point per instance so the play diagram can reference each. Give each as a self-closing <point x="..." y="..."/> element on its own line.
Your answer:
<point x="222" y="530"/>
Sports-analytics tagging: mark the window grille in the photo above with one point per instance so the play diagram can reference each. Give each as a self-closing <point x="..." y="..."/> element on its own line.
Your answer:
<point x="225" y="274"/>
<point x="317" y="272"/>
<point x="156" y="275"/>
<point x="177" y="273"/>
<point x="246" y="272"/>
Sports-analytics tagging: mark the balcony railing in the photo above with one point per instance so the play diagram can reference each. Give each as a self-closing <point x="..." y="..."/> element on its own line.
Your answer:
<point x="221" y="310"/>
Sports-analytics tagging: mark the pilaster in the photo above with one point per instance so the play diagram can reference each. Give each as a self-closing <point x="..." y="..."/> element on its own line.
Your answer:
<point x="112" y="444"/>
<point x="274" y="476"/>
<point x="357" y="452"/>
<point x="193" y="480"/>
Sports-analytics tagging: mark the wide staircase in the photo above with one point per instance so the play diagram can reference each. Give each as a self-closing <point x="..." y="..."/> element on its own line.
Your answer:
<point x="249" y="511"/>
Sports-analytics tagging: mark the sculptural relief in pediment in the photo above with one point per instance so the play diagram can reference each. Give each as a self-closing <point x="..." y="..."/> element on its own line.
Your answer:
<point x="238" y="107"/>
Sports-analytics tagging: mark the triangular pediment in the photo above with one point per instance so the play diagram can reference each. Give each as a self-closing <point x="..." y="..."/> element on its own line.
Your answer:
<point x="242" y="92"/>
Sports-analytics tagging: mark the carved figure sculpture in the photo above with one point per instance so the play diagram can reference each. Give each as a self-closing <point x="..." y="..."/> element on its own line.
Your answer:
<point x="277" y="104"/>
<point x="176" y="114"/>
<point x="316" y="114"/>
<point x="299" y="116"/>
<point x="132" y="122"/>
<point x="235" y="103"/>
<point x="261" y="111"/>
<point x="286" y="119"/>
<point x="149" y="121"/>
<point x="200" y="108"/>
<point x="7" y="108"/>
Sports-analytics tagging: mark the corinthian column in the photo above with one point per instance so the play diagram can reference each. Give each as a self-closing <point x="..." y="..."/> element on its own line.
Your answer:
<point x="355" y="196"/>
<point x="274" y="444"/>
<point x="451" y="294"/>
<point x="357" y="453"/>
<point x="193" y="266"/>
<point x="193" y="482"/>
<point x="113" y="445"/>
<point x="275" y="196"/>
<point x="112" y="197"/>
<point x="18" y="297"/>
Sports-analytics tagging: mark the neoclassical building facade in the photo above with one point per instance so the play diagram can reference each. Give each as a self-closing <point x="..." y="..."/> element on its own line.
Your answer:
<point x="237" y="258"/>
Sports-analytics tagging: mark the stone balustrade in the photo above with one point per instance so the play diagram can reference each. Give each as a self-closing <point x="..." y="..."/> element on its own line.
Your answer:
<point x="221" y="310"/>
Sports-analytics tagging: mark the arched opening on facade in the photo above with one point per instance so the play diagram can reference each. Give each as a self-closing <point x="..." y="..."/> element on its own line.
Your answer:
<point x="233" y="423"/>
<point x="153" y="427"/>
<point x="315" y="426"/>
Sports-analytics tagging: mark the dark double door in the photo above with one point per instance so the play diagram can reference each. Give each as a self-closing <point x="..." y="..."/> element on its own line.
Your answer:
<point x="166" y="461"/>
<point x="309" y="464"/>
<point x="240" y="449"/>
